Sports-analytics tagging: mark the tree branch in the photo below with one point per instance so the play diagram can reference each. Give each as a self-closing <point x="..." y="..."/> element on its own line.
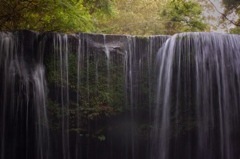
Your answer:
<point x="224" y="15"/>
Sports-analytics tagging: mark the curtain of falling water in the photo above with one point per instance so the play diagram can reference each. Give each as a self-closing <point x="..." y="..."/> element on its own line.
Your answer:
<point x="7" y="49"/>
<point x="105" y="77"/>
<point x="78" y="154"/>
<point x="197" y="107"/>
<point x="61" y="53"/>
<point x="42" y="127"/>
<point x="23" y="118"/>
<point x="154" y="44"/>
<point x="139" y="78"/>
<point x="131" y="56"/>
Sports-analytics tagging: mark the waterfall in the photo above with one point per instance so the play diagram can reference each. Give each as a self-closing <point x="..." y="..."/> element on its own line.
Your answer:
<point x="76" y="96"/>
<point x="24" y="122"/>
<point x="197" y="102"/>
<point x="39" y="99"/>
<point x="94" y="96"/>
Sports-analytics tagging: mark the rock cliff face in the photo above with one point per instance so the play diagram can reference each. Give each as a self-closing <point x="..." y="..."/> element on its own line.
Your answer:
<point x="83" y="96"/>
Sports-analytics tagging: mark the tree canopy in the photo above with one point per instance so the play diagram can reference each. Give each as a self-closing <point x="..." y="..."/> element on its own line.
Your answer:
<point x="51" y="15"/>
<point x="183" y="16"/>
<point x="155" y="17"/>
<point x="231" y="4"/>
<point x="144" y="17"/>
<point x="232" y="7"/>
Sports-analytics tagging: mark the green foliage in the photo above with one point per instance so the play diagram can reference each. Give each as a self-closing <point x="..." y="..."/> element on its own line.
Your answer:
<point x="102" y="138"/>
<point x="138" y="17"/>
<point x="96" y="96"/>
<point x="231" y="4"/>
<point x="141" y="17"/>
<point x="102" y="97"/>
<point x="231" y="7"/>
<point x="235" y="30"/>
<point x="49" y="15"/>
<point x="183" y="16"/>
<point x="134" y="17"/>
<point x="99" y="6"/>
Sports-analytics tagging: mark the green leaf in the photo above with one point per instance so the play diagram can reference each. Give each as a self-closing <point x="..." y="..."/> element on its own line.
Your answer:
<point x="102" y="138"/>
